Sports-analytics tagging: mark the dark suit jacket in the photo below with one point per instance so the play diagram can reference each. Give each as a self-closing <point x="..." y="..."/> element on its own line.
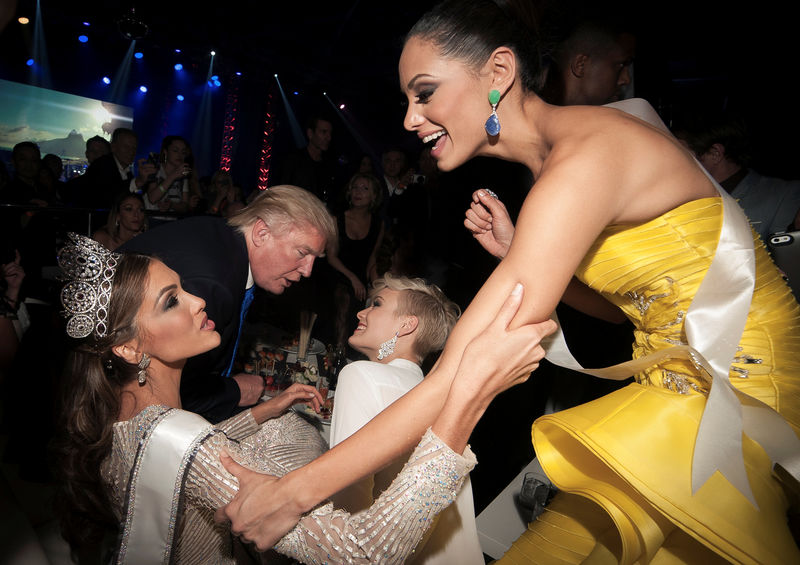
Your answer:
<point x="211" y="259"/>
<point x="100" y="184"/>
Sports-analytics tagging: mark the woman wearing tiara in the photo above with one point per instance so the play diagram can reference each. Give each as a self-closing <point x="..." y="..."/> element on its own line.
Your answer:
<point x="133" y="462"/>
<point x="698" y="460"/>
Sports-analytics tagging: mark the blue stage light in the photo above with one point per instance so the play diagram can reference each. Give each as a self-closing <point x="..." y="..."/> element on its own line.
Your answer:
<point x="217" y="83"/>
<point x="29" y="62"/>
<point x="177" y="51"/>
<point x="83" y="39"/>
<point x="143" y="88"/>
<point x="87" y="24"/>
<point x="179" y="97"/>
<point x="106" y="80"/>
<point x="178" y="67"/>
<point x="138" y="54"/>
<point x="238" y="73"/>
<point x="215" y="77"/>
<point x="296" y="93"/>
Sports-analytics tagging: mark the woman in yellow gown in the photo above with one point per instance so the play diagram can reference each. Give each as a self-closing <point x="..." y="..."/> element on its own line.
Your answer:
<point x="620" y="204"/>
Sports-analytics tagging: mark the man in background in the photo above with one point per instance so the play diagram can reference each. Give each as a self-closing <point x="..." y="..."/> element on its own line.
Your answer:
<point x="592" y="65"/>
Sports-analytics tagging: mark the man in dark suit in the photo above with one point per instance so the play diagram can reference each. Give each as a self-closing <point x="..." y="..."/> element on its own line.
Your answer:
<point x="111" y="175"/>
<point x="272" y="243"/>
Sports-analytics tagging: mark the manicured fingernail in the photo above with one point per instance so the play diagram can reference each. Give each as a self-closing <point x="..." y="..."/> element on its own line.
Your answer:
<point x="517" y="290"/>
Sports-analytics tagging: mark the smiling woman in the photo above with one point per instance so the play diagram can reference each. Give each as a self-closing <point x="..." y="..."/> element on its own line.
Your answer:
<point x="717" y="329"/>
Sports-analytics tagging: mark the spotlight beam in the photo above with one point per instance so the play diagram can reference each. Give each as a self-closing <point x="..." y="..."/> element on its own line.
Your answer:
<point x="294" y="125"/>
<point x="40" y="71"/>
<point x="349" y="120"/>
<point x="120" y="81"/>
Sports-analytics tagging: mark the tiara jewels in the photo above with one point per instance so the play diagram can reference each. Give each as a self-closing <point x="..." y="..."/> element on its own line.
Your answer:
<point x="89" y="269"/>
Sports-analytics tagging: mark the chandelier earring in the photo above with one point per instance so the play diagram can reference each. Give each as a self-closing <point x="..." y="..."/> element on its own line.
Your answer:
<point x="492" y="125"/>
<point x="143" y="364"/>
<point x="387" y="347"/>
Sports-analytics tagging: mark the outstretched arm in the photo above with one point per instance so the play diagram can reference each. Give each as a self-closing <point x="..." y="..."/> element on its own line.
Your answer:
<point x="539" y="257"/>
<point x="496" y="359"/>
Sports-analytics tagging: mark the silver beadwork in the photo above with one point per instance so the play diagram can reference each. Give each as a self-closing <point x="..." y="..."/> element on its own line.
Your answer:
<point x="387" y="347"/>
<point x="89" y="268"/>
<point x="143" y="364"/>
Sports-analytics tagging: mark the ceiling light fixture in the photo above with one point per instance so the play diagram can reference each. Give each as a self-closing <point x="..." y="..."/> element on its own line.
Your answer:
<point x="131" y="27"/>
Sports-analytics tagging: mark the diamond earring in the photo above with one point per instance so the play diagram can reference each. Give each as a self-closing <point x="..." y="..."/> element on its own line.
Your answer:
<point x="143" y="365"/>
<point x="387" y="347"/>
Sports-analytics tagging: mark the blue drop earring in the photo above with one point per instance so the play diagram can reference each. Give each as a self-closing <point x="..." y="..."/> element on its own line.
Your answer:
<point x="493" y="124"/>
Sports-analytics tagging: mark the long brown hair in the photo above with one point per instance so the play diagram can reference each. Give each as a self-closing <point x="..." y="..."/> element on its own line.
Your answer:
<point x="89" y="405"/>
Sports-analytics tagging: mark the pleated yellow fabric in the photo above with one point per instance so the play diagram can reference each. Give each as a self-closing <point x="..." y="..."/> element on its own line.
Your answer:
<point x="623" y="462"/>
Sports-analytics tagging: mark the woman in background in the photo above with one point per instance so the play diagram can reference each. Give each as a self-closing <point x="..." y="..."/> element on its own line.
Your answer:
<point x="176" y="187"/>
<point x="125" y="221"/>
<point x="354" y="255"/>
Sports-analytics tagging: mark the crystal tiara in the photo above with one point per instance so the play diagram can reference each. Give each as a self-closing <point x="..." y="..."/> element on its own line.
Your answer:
<point x="89" y="270"/>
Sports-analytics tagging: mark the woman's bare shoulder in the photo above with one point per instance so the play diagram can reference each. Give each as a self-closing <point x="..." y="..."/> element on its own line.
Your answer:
<point x="608" y="153"/>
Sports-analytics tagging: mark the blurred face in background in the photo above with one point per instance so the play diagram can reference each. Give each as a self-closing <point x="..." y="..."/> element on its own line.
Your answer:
<point x="393" y="163"/>
<point x="131" y="214"/>
<point x="95" y="149"/>
<point x="124" y="149"/>
<point x="176" y="153"/>
<point x="320" y="136"/>
<point x="362" y="193"/>
<point x="27" y="162"/>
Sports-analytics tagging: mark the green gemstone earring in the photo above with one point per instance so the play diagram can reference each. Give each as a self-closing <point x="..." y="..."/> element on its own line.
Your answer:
<point x="493" y="124"/>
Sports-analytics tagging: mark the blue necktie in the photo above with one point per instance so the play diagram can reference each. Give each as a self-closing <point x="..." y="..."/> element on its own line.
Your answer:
<point x="248" y="299"/>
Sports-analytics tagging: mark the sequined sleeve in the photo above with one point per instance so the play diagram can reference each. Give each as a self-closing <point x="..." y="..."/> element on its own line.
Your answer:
<point x="389" y="530"/>
<point x="240" y="426"/>
<point x="276" y="447"/>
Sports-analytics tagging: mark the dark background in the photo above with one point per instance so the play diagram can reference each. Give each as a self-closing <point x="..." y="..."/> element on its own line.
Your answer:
<point x="689" y="55"/>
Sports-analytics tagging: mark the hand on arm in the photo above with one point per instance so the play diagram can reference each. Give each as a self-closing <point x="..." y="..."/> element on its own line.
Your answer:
<point x="541" y="259"/>
<point x="497" y="359"/>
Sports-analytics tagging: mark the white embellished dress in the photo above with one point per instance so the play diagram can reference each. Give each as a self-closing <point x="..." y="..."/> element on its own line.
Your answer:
<point x="387" y="532"/>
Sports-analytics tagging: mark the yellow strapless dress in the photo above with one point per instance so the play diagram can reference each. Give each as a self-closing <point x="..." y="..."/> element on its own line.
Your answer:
<point x="623" y="462"/>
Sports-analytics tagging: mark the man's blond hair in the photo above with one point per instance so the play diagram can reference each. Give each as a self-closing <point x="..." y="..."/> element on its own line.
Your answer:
<point x="284" y="207"/>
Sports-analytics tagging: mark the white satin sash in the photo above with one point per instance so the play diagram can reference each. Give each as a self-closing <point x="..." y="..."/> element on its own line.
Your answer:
<point x="714" y="324"/>
<point x="155" y="487"/>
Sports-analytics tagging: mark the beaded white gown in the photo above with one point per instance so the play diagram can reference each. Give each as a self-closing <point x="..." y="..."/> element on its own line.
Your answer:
<point x="387" y="532"/>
